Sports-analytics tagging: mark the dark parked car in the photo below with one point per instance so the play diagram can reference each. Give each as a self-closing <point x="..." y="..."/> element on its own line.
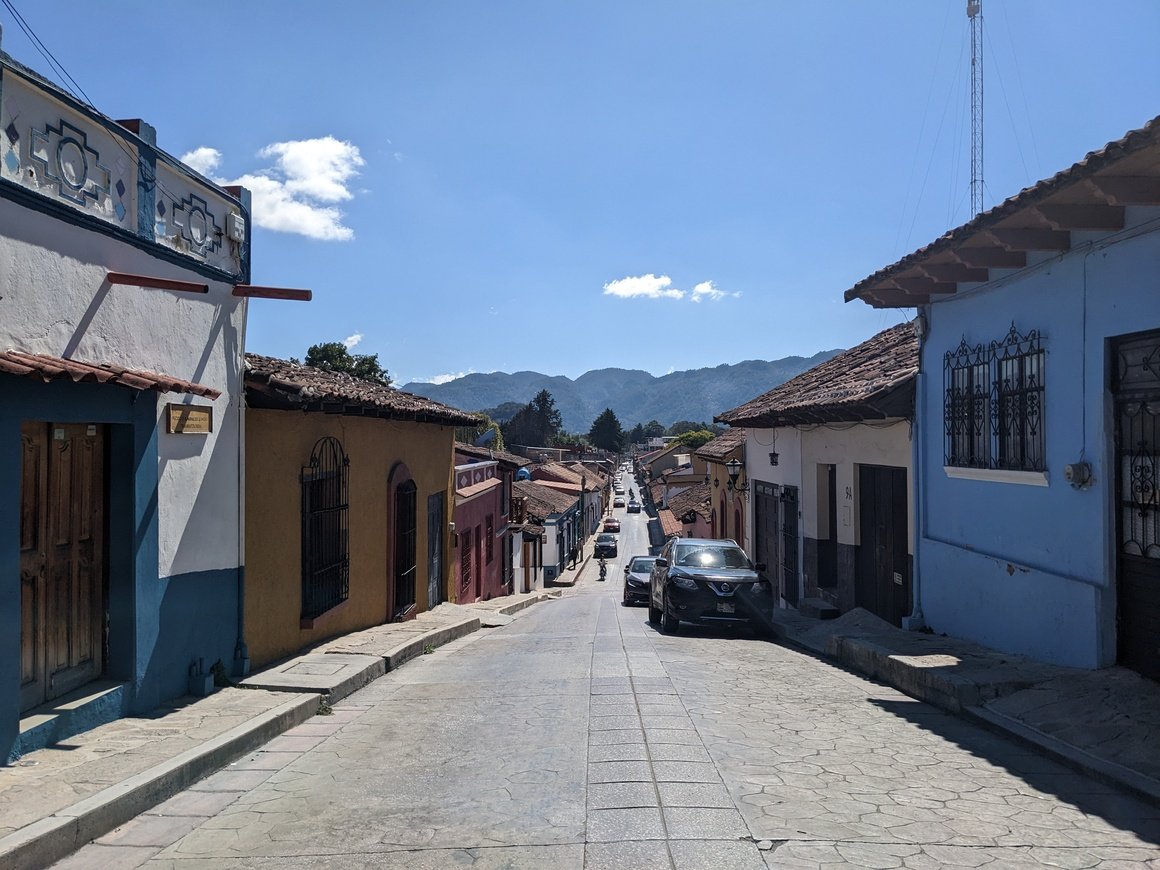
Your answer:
<point x="708" y="581"/>
<point x="634" y="507"/>
<point x="636" y="574"/>
<point x="605" y="546"/>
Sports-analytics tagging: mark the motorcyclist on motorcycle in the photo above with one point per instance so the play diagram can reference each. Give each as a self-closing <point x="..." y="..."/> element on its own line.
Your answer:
<point x="603" y="568"/>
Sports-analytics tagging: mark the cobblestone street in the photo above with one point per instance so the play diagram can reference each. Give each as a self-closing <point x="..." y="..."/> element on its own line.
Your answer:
<point x="577" y="736"/>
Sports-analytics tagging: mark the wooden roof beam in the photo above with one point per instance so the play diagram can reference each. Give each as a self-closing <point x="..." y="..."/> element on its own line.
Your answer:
<point x="1031" y="238"/>
<point x="1083" y="216"/>
<point x="924" y="286"/>
<point x="888" y="297"/>
<point x="1128" y="189"/>
<point x="954" y="272"/>
<point x="992" y="258"/>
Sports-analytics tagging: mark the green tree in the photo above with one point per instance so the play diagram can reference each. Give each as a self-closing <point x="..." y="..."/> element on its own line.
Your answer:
<point x="636" y="435"/>
<point x="468" y="434"/>
<point x="653" y="429"/>
<point x="606" y="432"/>
<point x="333" y="356"/>
<point x="537" y="424"/>
<point x="695" y="438"/>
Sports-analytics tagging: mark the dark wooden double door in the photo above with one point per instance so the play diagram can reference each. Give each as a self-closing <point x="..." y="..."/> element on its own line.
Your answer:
<point x="62" y="558"/>
<point x="776" y="537"/>
<point x="882" y="578"/>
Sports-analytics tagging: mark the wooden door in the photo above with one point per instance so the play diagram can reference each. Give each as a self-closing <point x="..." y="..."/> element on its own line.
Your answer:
<point x="789" y="544"/>
<point x="62" y="559"/>
<point x="766" y="533"/>
<point x="882" y="584"/>
<point x="1137" y="396"/>
<point x="435" y="525"/>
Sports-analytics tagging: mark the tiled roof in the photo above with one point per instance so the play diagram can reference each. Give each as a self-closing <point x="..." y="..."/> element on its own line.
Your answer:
<point x="485" y="453"/>
<point x="1089" y="195"/>
<point x="724" y="444"/>
<point x="695" y="498"/>
<point x="277" y="383"/>
<point x="476" y="488"/>
<point x="54" y="368"/>
<point x="656" y="490"/>
<point x="564" y="473"/>
<point x="542" y="501"/>
<point x="670" y="525"/>
<point x="872" y="380"/>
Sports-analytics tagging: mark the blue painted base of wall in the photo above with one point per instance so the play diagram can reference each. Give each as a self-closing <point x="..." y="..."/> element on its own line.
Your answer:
<point x="1010" y="608"/>
<point x="67" y="718"/>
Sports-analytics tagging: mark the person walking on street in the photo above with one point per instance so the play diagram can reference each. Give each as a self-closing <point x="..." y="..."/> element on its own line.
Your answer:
<point x="574" y="555"/>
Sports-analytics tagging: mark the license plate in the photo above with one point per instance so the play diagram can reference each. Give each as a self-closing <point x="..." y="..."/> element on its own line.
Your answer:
<point x="724" y="607"/>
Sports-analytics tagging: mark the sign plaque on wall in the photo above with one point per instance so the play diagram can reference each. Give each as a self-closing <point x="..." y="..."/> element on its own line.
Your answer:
<point x="188" y="419"/>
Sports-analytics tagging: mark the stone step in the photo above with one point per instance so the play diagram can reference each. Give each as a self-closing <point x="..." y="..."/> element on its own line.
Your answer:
<point x="817" y="608"/>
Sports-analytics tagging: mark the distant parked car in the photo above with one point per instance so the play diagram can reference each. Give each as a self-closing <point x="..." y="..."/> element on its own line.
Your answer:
<point x="634" y="507"/>
<point x="636" y="578"/>
<point x="605" y="546"/>
<point x="618" y="489"/>
<point x="612" y="524"/>
<point x="708" y="581"/>
<point x="618" y="501"/>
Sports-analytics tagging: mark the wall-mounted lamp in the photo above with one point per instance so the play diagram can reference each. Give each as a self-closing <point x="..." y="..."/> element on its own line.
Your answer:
<point x="734" y="468"/>
<point x="773" y="457"/>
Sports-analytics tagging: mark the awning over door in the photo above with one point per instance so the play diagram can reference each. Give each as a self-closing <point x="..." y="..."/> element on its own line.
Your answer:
<point x="53" y="368"/>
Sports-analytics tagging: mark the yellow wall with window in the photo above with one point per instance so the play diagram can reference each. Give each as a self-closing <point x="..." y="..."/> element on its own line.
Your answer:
<point x="278" y="445"/>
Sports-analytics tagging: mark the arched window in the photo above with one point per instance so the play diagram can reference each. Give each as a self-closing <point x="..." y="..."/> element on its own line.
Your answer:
<point x="325" y="530"/>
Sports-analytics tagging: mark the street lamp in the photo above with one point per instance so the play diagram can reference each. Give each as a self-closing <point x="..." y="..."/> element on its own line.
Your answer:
<point x="734" y="468"/>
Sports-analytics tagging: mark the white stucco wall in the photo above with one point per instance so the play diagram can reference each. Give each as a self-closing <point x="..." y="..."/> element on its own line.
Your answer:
<point x="56" y="301"/>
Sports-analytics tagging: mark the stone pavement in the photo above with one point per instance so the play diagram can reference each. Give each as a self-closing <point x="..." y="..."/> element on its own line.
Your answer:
<point x="56" y="799"/>
<point x="1105" y="722"/>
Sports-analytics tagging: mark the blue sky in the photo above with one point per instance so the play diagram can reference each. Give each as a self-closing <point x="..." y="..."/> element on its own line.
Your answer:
<point x="472" y="186"/>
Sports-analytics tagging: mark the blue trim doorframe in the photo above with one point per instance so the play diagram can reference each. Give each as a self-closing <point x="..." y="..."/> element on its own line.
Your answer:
<point x="156" y="626"/>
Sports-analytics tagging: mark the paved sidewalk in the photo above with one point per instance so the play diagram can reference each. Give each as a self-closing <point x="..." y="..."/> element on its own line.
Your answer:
<point x="1104" y="722"/>
<point x="56" y="799"/>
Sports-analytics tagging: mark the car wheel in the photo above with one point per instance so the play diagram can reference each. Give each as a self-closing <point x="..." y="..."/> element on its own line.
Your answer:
<point x="669" y="622"/>
<point x="654" y="615"/>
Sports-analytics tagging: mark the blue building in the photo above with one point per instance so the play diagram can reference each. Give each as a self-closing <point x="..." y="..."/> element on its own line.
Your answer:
<point x="1038" y="409"/>
<point x="121" y="321"/>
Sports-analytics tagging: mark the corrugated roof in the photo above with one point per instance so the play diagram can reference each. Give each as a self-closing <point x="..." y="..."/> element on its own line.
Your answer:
<point x="498" y="455"/>
<point x="865" y="382"/>
<point x="278" y="383"/>
<point x="724" y="444"/>
<point x="1089" y="195"/>
<point x="55" y="368"/>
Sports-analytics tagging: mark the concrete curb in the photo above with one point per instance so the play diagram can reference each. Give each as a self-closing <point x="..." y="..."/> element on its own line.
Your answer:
<point x="1098" y="768"/>
<point x="517" y="606"/>
<point x="62" y="833"/>
<point x="409" y="649"/>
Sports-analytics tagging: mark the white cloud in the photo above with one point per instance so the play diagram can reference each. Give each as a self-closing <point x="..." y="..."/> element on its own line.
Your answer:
<point x="297" y="193"/>
<point x="351" y="341"/>
<point x="442" y="379"/>
<point x="204" y="160"/>
<point x="708" y="290"/>
<point x="649" y="286"/>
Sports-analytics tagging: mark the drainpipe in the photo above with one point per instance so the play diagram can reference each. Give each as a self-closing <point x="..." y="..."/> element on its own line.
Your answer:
<point x="241" y="651"/>
<point x="916" y="620"/>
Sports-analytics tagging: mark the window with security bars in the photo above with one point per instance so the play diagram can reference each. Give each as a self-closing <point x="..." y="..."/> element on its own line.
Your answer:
<point x="325" y="529"/>
<point x="465" y="559"/>
<point x="490" y="540"/>
<point x="406" y="536"/>
<point x="993" y="405"/>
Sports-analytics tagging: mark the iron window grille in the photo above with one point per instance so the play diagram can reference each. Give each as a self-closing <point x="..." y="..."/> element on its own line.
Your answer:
<point x="993" y="403"/>
<point x="406" y="535"/>
<point x="325" y="529"/>
<point x="490" y="539"/>
<point x="465" y="560"/>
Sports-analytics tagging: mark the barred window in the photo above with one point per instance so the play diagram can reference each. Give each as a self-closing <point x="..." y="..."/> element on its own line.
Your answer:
<point x="465" y="560"/>
<point x="490" y="544"/>
<point x="325" y="529"/>
<point x="406" y="549"/>
<point x="993" y="404"/>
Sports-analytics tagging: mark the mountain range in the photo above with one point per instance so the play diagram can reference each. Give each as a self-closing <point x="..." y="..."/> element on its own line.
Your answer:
<point x="635" y="396"/>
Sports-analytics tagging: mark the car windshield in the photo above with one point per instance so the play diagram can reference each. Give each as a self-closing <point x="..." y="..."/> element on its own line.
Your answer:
<point x="693" y="556"/>
<point x="605" y="539"/>
<point x="641" y="564"/>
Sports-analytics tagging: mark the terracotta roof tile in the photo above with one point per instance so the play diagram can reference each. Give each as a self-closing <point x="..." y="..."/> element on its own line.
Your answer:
<point x="863" y="382"/>
<point x="278" y="383"/>
<point x="695" y="499"/>
<point x="670" y="525"/>
<point x="54" y="368"/>
<point x="724" y="444"/>
<point x="476" y="488"/>
<point x="542" y="501"/>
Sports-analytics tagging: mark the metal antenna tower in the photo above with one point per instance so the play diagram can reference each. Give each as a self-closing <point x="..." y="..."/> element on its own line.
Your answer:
<point x="975" y="14"/>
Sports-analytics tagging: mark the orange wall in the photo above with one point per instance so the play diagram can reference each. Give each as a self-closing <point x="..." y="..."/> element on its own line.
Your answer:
<point x="278" y="445"/>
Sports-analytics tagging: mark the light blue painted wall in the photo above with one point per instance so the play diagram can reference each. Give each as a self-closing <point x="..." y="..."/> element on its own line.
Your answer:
<point x="1022" y="568"/>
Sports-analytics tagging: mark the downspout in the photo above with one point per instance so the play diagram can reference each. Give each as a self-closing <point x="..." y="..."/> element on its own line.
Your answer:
<point x="917" y="620"/>
<point x="241" y="650"/>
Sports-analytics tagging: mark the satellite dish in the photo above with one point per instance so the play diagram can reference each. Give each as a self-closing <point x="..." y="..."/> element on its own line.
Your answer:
<point x="484" y="439"/>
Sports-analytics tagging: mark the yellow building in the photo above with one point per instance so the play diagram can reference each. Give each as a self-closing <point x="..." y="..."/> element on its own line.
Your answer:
<point x="348" y="500"/>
